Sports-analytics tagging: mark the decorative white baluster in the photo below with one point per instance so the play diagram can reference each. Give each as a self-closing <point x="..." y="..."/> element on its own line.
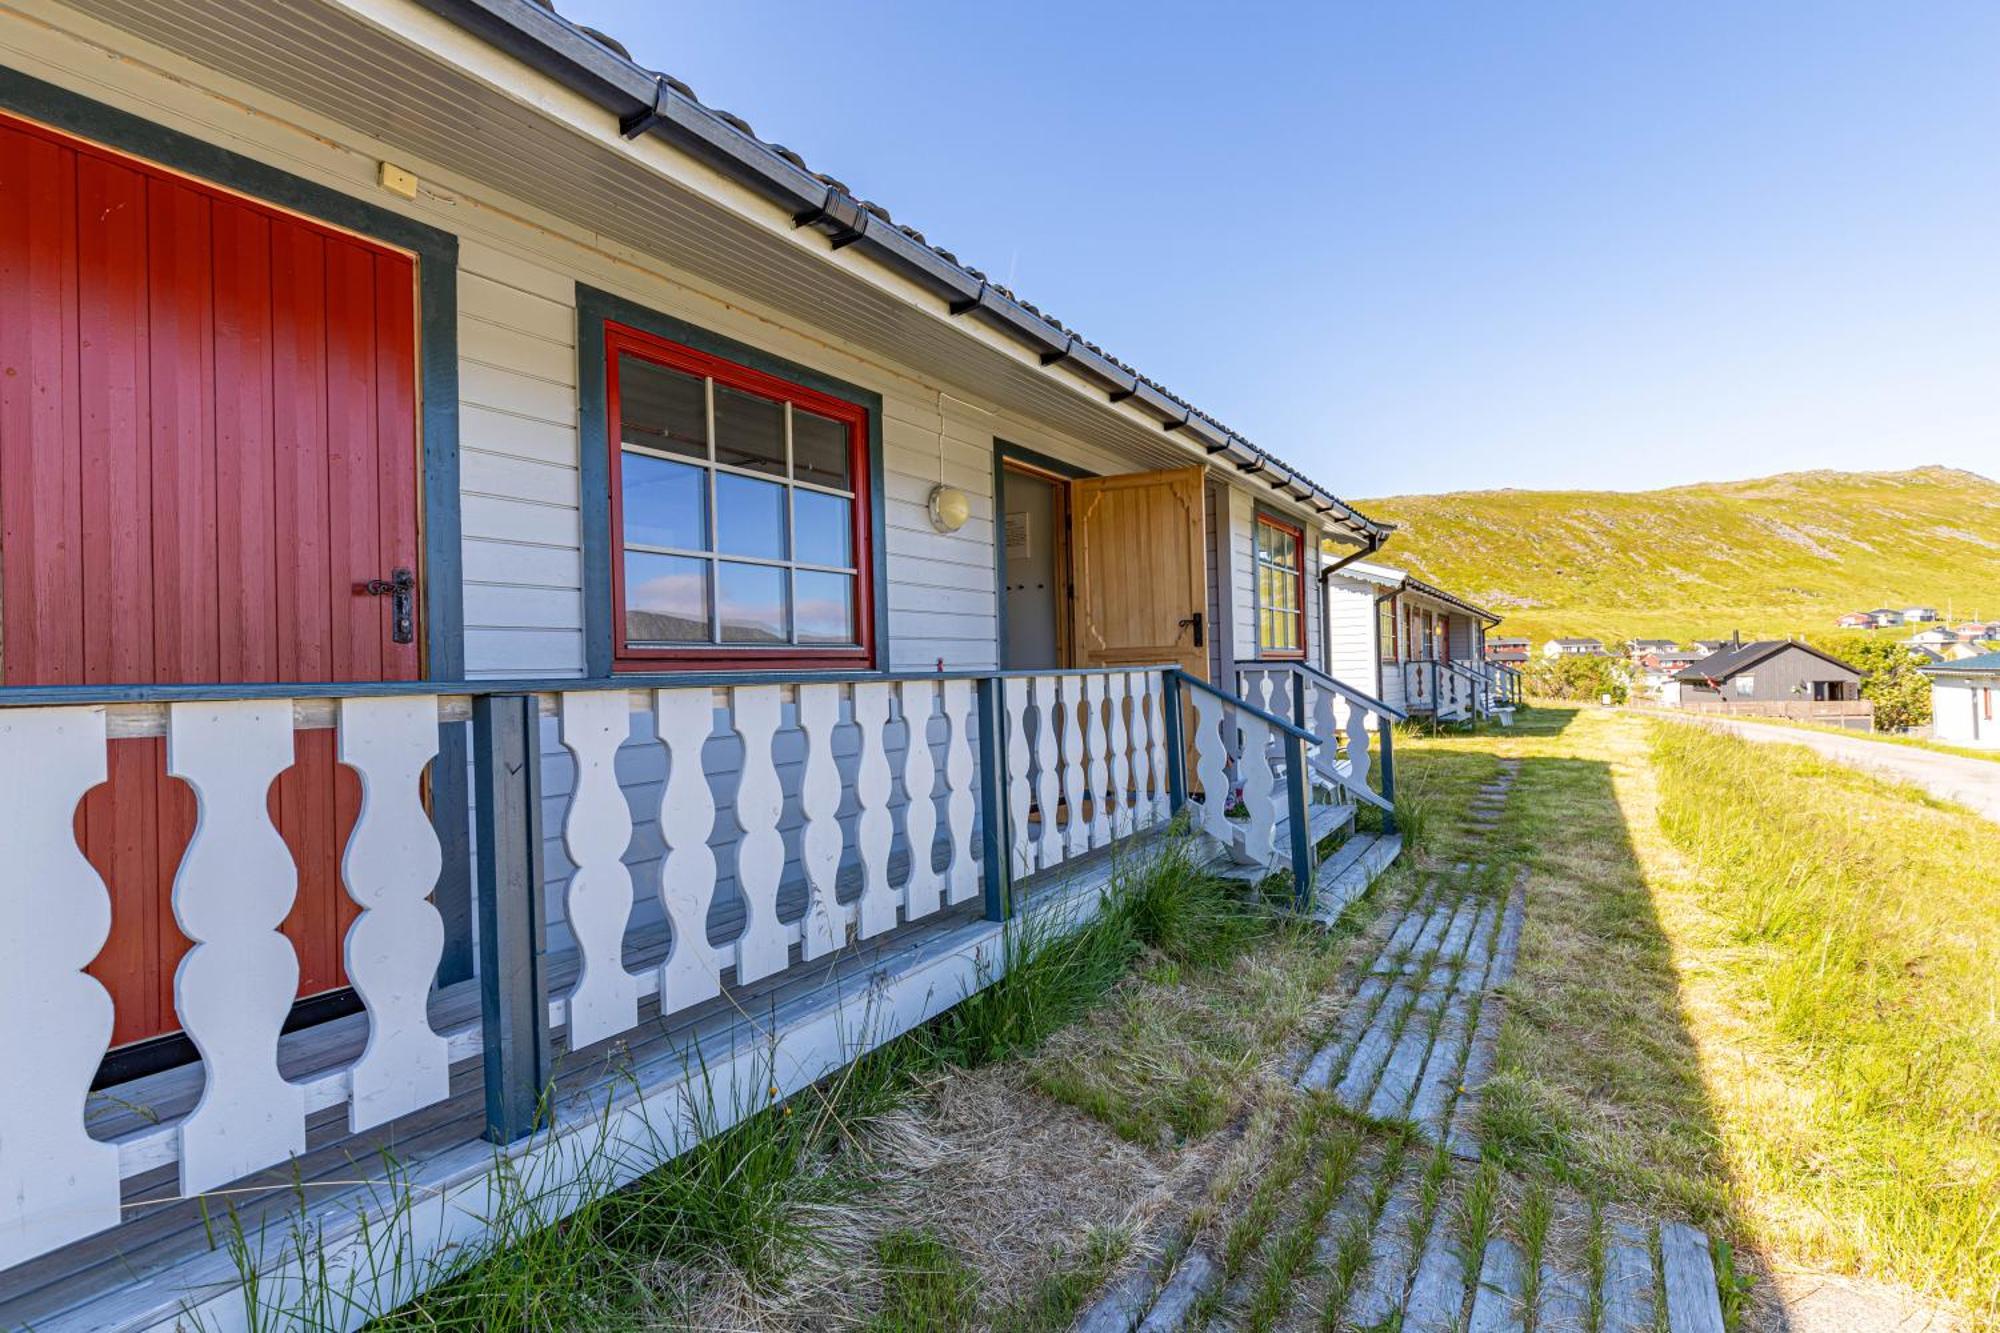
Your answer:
<point x="235" y="986"/>
<point x="1211" y="765"/>
<point x="962" y="874"/>
<point x="57" y="1184"/>
<point x="1121" y="757"/>
<point x="821" y="930"/>
<point x="390" y="868"/>
<point x="1019" y="795"/>
<point x="1145" y="809"/>
<point x="1260" y="782"/>
<point x="1358" y="740"/>
<point x="760" y="853"/>
<point x="1076" y="832"/>
<point x="923" y="891"/>
<point x="1323" y="725"/>
<point x="1100" y="768"/>
<point x="876" y="828"/>
<point x="1048" y="789"/>
<point x="1156" y="745"/>
<point x="596" y="831"/>
<point x="690" y="973"/>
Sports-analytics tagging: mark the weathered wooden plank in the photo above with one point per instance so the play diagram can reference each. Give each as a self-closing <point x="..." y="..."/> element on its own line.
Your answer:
<point x="1378" y="1293"/>
<point x="1121" y="1305"/>
<point x="1438" y="1288"/>
<point x="1627" y="1292"/>
<point x="1192" y="1278"/>
<point x="1562" y="1300"/>
<point x="1499" y="1303"/>
<point x="1687" y="1279"/>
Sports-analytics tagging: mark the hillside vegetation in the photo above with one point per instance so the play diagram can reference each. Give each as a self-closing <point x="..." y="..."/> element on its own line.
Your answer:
<point x="1770" y="557"/>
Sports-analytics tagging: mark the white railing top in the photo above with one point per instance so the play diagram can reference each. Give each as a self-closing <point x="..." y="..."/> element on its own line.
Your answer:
<point x="1361" y="698"/>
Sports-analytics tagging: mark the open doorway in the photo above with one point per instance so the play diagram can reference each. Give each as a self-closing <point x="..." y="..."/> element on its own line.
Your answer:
<point x="1100" y="572"/>
<point x="1034" y="568"/>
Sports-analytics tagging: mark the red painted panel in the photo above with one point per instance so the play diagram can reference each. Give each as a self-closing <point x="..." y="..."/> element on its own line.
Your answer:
<point x="40" y="430"/>
<point x="208" y="432"/>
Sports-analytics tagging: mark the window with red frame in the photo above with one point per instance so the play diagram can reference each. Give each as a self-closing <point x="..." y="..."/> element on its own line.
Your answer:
<point x="1281" y="585"/>
<point x="738" y="511"/>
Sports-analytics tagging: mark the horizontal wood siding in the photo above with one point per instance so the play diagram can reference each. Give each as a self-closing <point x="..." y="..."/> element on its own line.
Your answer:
<point x="1350" y="631"/>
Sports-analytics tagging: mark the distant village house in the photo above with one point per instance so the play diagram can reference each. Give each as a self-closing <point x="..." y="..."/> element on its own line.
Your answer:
<point x="1965" y="701"/>
<point x="1573" y="648"/>
<point x="1775" y="678"/>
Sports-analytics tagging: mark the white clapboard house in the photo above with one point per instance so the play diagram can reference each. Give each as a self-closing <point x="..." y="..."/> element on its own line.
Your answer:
<point x="515" y="590"/>
<point x="1413" y="645"/>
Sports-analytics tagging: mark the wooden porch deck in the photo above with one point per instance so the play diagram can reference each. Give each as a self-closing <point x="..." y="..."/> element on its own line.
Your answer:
<point x="421" y="1181"/>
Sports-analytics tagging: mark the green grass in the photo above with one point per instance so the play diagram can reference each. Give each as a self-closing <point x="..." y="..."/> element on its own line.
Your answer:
<point x="1770" y="557"/>
<point x="1223" y="979"/>
<point x="1862" y="953"/>
<point x="773" y="1194"/>
<point x="925" y="1285"/>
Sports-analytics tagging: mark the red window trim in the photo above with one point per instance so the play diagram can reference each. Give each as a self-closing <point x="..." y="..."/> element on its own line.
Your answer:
<point x="1299" y="575"/>
<point x="620" y="339"/>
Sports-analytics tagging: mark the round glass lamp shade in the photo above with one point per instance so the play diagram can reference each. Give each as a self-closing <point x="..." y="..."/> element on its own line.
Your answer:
<point x="949" y="508"/>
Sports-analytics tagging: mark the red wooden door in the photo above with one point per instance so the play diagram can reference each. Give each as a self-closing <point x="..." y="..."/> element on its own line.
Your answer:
<point x="207" y="438"/>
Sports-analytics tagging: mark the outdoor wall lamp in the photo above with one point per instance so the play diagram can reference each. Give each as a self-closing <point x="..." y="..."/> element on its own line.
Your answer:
<point x="949" y="508"/>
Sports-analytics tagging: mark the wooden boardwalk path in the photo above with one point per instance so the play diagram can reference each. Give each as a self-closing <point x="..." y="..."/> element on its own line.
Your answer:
<point x="1423" y="1237"/>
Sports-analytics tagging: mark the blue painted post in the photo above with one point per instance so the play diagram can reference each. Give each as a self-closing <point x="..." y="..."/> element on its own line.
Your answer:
<point x="1295" y="797"/>
<point x="994" y="817"/>
<point x="1299" y="698"/>
<point x="1174" y="713"/>
<point x="513" y="988"/>
<point x="1387" y="730"/>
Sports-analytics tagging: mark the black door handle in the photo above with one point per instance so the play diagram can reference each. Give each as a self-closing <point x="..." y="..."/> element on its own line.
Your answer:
<point x="1193" y="622"/>
<point x="401" y="588"/>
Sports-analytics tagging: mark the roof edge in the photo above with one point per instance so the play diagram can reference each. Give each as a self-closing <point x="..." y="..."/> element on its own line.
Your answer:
<point x="649" y="102"/>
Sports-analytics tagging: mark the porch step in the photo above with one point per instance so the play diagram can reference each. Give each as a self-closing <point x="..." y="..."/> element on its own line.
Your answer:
<point x="1322" y="822"/>
<point x="1346" y="875"/>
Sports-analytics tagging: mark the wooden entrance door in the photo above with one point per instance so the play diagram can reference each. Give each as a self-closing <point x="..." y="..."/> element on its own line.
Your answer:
<point x="1138" y="558"/>
<point x="207" y="440"/>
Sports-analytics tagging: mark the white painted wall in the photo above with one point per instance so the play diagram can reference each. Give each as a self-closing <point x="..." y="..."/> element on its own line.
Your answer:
<point x="1957" y="711"/>
<point x="1352" y="631"/>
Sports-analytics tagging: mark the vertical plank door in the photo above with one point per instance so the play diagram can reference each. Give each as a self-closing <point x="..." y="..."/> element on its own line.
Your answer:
<point x="207" y="439"/>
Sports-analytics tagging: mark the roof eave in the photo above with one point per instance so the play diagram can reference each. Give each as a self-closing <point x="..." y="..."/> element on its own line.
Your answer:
<point x="645" y="102"/>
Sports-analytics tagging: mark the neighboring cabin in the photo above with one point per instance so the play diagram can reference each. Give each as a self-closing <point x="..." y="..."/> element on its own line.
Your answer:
<point x="1775" y="678"/>
<point x="1555" y="648"/>
<point x="1511" y="649"/>
<point x="1413" y="645"/>
<point x="1965" y="701"/>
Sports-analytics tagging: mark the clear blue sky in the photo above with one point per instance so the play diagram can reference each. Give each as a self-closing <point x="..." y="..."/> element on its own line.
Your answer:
<point x="1418" y="247"/>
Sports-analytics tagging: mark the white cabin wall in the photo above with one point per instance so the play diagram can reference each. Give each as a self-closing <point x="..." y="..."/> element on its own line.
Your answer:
<point x="1239" y="551"/>
<point x="1351" y="631"/>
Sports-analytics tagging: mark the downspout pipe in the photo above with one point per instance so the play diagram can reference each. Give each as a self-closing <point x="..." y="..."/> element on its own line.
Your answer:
<point x="1372" y="541"/>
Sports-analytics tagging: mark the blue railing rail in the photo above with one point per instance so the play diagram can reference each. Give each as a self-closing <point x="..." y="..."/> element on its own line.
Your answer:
<point x="1387" y="716"/>
<point x="1292" y="737"/>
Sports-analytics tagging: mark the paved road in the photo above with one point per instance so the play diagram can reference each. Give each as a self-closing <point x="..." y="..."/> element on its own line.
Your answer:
<point x="1970" y="782"/>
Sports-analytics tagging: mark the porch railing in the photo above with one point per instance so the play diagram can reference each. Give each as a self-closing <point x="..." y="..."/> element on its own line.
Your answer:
<point x="1505" y="683"/>
<point x="1341" y="719"/>
<point x="827" y="809"/>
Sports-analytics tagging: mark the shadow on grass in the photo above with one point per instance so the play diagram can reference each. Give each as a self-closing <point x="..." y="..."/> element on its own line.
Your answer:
<point x="1598" y="1086"/>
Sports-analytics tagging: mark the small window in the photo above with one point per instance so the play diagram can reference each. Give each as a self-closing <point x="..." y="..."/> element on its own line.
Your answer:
<point x="1385" y="628"/>
<point x="1281" y="582"/>
<point x="1746" y="684"/>
<point x="739" y="513"/>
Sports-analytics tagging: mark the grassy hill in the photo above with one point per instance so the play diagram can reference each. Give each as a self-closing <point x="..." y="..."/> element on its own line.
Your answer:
<point x="1770" y="557"/>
